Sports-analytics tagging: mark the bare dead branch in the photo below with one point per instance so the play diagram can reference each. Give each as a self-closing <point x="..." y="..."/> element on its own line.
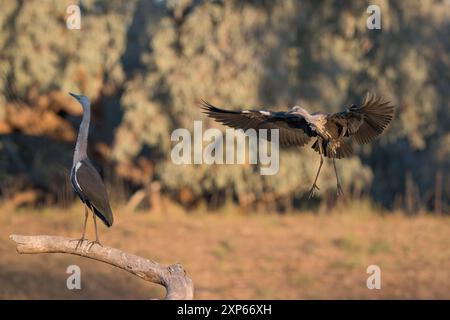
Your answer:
<point x="178" y="285"/>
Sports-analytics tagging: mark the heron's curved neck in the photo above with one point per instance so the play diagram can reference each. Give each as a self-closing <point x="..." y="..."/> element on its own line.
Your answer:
<point x="305" y="114"/>
<point x="81" y="146"/>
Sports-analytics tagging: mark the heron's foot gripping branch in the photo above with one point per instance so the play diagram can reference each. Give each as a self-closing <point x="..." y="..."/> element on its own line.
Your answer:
<point x="178" y="285"/>
<point x="79" y="242"/>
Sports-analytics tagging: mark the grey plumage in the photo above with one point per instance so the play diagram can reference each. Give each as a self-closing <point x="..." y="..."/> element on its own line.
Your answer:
<point x="89" y="186"/>
<point x="297" y="126"/>
<point x="80" y="152"/>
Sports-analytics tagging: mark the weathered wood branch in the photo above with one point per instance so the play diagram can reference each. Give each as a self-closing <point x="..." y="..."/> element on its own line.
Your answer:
<point x="178" y="285"/>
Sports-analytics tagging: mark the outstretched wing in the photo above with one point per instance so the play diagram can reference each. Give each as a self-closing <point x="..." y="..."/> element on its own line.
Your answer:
<point x="367" y="121"/>
<point x="293" y="129"/>
<point x="89" y="185"/>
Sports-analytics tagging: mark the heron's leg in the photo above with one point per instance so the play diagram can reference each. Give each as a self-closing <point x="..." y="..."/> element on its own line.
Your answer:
<point x="339" y="191"/>
<point x="96" y="231"/>
<point x="314" y="186"/>
<point x="83" y="237"/>
<point x="97" y="241"/>
<point x="86" y="213"/>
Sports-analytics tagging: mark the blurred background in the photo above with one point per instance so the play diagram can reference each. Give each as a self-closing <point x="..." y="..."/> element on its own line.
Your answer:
<point x="145" y="64"/>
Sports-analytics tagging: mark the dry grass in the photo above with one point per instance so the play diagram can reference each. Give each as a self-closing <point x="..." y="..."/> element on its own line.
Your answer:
<point x="237" y="256"/>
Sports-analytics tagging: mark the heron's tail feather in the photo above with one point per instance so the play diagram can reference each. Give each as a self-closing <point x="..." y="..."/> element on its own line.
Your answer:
<point x="315" y="146"/>
<point x="106" y="219"/>
<point x="343" y="150"/>
<point x="334" y="149"/>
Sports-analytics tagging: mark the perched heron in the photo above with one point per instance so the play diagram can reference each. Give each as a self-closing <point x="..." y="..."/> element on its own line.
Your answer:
<point x="85" y="179"/>
<point x="297" y="126"/>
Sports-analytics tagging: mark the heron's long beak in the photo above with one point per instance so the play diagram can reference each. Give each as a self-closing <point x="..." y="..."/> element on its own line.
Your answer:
<point x="74" y="95"/>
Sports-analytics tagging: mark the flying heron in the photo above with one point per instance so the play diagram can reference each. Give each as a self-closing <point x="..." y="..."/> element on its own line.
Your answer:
<point x="297" y="126"/>
<point x="85" y="179"/>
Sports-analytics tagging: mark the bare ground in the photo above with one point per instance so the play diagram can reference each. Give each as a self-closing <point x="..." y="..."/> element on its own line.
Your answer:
<point x="239" y="256"/>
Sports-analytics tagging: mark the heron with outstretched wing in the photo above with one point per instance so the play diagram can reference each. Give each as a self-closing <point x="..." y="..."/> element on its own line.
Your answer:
<point x="297" y="127"/>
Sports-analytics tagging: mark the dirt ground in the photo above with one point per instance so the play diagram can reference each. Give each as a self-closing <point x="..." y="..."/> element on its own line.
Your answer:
<point x="239" y="256"/>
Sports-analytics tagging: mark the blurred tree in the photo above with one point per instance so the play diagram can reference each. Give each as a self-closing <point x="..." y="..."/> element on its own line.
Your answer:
<point x="146" y="65"/>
